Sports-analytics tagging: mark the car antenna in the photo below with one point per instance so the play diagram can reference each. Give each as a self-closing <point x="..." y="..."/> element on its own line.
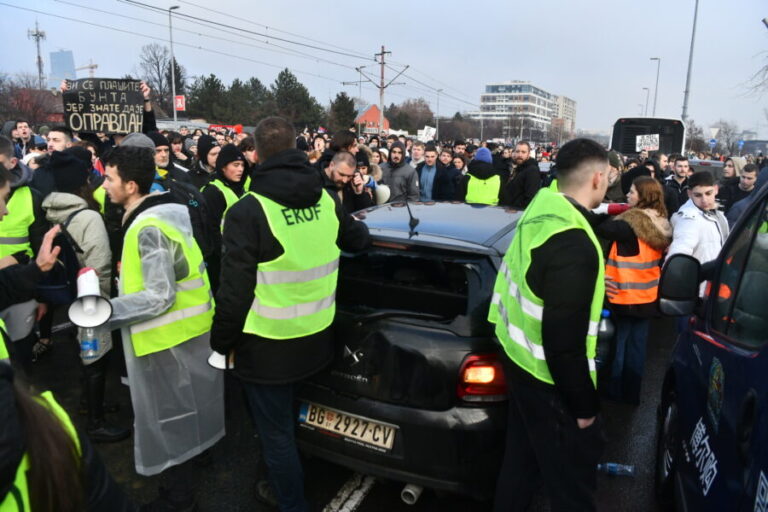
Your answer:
<point x="412" y="221"/>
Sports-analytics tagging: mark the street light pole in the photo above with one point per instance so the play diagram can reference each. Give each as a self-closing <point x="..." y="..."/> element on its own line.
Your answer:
<point x="690" y="64"/>
<point x="647" y="94"/>
<point x="656" y="90"/>
<point x="173" y="65"/>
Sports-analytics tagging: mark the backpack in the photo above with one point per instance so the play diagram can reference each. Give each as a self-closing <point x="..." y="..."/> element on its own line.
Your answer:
<point x="59" y="286"/>
<point x="188" y="195"/>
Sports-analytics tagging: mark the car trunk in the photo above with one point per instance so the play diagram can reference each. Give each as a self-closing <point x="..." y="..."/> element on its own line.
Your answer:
<point x="405" y="321"/>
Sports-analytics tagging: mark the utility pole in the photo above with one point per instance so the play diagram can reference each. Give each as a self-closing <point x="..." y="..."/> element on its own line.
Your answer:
<point x="656" y="90"/>
<point x="437" y="116"/>
<point x="381" y="86"/>
<point x="690" y="64"/>
<point x="38" y="35"/>
<point x="173" y="66"/>
<point x="382" y="56"/>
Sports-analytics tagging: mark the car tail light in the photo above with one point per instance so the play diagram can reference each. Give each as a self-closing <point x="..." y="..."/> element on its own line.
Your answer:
<point x="481" y="379"/>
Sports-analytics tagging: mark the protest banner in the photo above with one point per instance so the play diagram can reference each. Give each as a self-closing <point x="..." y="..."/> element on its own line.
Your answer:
<point x="649" y="142"/>
<point x="104" y="105"/>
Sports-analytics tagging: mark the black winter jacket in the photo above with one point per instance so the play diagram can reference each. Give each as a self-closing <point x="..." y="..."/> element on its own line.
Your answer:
<point x="522" y="185"/>
<point x="290" y="180"/>
<point x="216" y="205"/>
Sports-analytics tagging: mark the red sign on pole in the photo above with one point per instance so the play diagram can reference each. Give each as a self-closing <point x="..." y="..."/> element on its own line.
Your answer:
<point x="180" y="103"/>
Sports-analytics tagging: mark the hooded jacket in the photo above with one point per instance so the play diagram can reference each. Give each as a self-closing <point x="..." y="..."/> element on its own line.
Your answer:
<point x="697" y="233"/>
<point x="625" y="231"/>
<point x="288" y="179"/>
<point x="479" y="170"/>
<point x="401" y="178"/>
<point x="518" y="192"/>
<point x="87" y="229"/>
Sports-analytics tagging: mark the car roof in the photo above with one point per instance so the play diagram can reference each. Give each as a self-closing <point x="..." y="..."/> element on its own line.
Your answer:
<point x="461" y="226"/>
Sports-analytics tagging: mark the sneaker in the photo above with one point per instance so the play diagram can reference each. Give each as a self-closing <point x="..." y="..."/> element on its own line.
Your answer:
<point x="265" y="494"/>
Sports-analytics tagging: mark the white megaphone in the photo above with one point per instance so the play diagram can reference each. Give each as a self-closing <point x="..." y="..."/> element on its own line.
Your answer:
<point x="90" y="309"/>
<point x="220" y="362"/>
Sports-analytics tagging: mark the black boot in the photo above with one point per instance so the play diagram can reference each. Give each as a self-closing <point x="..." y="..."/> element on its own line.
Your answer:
<point x="98" y="429"/>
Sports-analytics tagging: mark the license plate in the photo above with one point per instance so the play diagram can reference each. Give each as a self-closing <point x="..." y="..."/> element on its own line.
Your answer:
<point x="356" y="428"/>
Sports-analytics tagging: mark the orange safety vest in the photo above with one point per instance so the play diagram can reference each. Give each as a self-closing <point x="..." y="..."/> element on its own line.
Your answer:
<point x="637" y="277"/>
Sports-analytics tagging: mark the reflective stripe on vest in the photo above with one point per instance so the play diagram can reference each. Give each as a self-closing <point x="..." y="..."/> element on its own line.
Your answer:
<point x="100" y="195"/>
<point x="515" y="309"/>
<point x="3" y="341"/>
<point x="636" y="277"/>
<point x="190" y="315"/>
<point x="230" y="197"/>
<point x="17" y="499"/>
<point x="14" y="229"/>
<point x="481" y="191"/>
<point x="295" y="293"/>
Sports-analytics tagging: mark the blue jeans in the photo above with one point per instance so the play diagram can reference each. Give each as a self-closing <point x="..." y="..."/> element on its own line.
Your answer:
<point x="629" y="358"/>
<point x="272" y="411"/>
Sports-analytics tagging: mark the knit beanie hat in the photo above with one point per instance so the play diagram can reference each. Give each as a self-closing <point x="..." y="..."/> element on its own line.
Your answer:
<point x="484" y="155"/>
<point x="70" y="173"/>
<point x="204" y="145"/>
<point x="362" y="158"/>
<point x="138" y="140"/>
<point x="159" y="139"/>
<point x="81" y="153"/>
<point x="189" y="143"/>
<point x="228" y="154"/>
<point x="614" y="160"/>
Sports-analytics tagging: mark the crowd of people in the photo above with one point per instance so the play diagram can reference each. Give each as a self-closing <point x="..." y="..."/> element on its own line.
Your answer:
<point x="184" y="216"/>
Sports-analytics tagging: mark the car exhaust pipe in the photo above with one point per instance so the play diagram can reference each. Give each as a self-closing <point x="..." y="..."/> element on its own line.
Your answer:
<point x="410" y="494"/>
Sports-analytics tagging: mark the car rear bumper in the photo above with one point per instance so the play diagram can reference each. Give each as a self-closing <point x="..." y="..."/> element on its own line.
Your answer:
<point x="457" y="450"/>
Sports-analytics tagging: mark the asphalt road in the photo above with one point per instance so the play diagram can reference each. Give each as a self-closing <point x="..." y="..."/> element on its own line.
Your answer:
<point x="227" y="484"/>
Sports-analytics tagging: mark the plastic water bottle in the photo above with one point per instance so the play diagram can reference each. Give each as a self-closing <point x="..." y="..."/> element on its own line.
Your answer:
<point x="89" y="345"/>
<point x="605" y="331"/>
<point x="616" y="469"/>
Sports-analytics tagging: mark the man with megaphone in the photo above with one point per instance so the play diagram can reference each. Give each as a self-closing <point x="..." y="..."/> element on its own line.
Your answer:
<point x="165" y="311"/>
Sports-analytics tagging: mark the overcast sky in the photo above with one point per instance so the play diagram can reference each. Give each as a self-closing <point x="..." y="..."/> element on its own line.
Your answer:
<point x="596" y="52"/>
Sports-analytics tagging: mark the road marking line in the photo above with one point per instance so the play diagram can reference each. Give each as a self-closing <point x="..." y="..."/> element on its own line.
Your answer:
<point x="351" y="494"/>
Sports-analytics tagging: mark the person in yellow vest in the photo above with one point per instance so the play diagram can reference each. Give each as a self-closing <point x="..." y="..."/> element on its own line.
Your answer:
<point x="21" y="233"/>
<point x="483" y="183"/>
<point x="224" y="189"/>
<point x="546" y="307"/>
<point x="639" y="237"/>
<point x="45" y="465"/>
<point x="276" y="300"/>
<point x="164" y="310"/>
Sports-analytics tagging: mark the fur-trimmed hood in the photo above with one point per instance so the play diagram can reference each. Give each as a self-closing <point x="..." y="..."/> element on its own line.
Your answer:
<point x="649" y="226"/>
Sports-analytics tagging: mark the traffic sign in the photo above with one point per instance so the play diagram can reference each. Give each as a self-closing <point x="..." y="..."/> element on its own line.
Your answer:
<point x="180" y="103"/>
<point x="712" y="143"/>
<point x="741" y="144"/>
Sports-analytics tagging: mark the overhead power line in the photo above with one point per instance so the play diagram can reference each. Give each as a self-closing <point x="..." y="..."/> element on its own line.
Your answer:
<point x="265" y="46"/>
<point x="133" y="33"/>
<point x="217" y="24"/>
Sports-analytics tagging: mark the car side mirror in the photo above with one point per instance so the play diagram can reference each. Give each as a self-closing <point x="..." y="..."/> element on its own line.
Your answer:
<point x="679" y="285"/>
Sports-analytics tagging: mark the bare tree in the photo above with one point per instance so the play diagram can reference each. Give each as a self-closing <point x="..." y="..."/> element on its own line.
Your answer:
<point x="154" y="63"/>
<point x="727" y="136"/>
<point x="21" y="98"/>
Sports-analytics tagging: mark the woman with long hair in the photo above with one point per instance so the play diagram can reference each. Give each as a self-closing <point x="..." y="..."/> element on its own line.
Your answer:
<point x="640" y="237"/>
<point x="45" y="466"/>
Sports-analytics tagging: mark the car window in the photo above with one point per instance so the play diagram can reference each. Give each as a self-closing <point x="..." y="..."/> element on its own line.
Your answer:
<point x="419" y="283"/>
<point x="741" y="308"/>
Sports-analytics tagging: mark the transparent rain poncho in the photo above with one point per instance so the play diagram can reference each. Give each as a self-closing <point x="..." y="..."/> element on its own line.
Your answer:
<point x="177" y="397"/>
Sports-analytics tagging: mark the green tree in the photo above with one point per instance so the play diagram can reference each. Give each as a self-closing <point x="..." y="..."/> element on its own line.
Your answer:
<point x="342" y="113"/>
<point x="293" y="102"/>
<point x="207" y="99"/>
<point x="262" y="102"/>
